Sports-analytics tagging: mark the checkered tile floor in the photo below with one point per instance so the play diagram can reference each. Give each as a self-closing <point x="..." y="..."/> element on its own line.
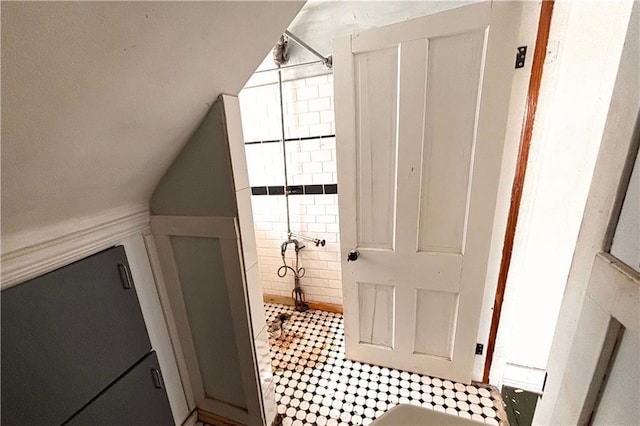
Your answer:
<point x="316" y="385"/>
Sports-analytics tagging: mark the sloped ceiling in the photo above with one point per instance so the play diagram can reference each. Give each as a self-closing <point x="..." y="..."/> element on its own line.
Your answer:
<point x="99" y="97"/>
<point x="320" y="22"/>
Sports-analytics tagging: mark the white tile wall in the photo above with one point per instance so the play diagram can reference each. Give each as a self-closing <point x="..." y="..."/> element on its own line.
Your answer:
<point x="308" y="112"/>
<point x="315" y="216"/>
<point x="308" y="107"/>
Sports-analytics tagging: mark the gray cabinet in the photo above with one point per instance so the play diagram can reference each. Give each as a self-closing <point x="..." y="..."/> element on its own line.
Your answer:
<point x="138" y="398"/>
<point x="67" y="336"/>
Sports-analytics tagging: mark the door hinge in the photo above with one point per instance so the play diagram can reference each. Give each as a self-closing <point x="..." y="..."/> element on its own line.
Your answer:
<point x="479" y="348"/>
<point x="521" y="55"/>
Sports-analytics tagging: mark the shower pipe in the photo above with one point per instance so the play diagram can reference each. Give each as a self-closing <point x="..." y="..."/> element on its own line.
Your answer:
<point x="284" y="153"/>
<point x="297" y="294"/>
<point x="290" y="234"/>
<point x="316" y="241"/>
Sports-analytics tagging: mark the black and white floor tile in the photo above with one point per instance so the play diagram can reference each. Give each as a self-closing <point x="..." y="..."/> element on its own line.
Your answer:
<point x="317" y="385"/>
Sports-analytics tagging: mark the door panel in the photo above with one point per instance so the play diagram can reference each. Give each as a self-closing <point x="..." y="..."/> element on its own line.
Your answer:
<point x="376" y="76"/>
<point x="421" y="109"/>
<point x="453" y="77"/>
<point x="436" y="315"/>
<point x="376" y="314"/>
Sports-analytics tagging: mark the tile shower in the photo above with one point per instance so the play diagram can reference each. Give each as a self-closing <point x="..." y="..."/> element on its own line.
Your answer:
<point x="311" y="166"/>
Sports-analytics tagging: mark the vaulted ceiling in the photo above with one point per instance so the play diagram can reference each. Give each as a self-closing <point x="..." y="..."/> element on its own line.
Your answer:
<point x="99" y="97"/>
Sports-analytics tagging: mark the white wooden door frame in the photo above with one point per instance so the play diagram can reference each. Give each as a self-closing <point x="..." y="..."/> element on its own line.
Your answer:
<point x="533" y="93"/>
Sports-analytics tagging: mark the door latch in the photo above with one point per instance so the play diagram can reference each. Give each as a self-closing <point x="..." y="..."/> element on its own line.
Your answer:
<point x="352" y="256"/>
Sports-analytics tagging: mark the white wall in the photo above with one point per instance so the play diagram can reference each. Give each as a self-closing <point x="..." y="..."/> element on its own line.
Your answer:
<point x="308" y="112"/>
<point x="308" y="109"/>
<point x="99" y="97"/>
<point x="579" y="74"/>
<point x="527" y="36"/>
<point x="565" y="384"/>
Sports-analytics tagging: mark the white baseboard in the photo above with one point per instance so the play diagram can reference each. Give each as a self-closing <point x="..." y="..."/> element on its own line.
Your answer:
<point x="36" y="259"/>
<point x="519" y="376"/>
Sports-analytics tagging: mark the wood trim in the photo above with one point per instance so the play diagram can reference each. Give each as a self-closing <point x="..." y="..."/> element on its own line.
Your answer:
<point x="226" y="412"/>
<point x="215" y="420"/>
<point x="186" y="357"/>
<point x="170" y="318"/>
<point x="235" y="280"/>
<point x="535" y="80"/>
<point x="284" y="300"/>
<point x="157" y="322"/>
<point x="37" y="259"/>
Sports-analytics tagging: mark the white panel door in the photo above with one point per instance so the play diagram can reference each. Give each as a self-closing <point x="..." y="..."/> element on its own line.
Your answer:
<point x="421" y="110"/>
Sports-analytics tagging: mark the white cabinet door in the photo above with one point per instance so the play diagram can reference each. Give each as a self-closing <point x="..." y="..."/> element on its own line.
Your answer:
<point x="421" y="111"/>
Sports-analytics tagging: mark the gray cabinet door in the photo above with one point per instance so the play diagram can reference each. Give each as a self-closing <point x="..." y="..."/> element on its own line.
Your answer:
<point x="66" y="336"/>
<point x="138" y="398"/>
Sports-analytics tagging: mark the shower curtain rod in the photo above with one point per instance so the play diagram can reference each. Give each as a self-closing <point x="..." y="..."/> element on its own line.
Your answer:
<point x="327" y="61"/>
<point x="285" y="67"/>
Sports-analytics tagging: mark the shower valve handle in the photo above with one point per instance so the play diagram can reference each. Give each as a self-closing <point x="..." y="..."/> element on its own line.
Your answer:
<point x="352" y="256"/>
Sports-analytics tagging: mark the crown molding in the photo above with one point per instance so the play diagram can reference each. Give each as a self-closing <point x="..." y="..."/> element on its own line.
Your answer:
<point x="36" y="259"/>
